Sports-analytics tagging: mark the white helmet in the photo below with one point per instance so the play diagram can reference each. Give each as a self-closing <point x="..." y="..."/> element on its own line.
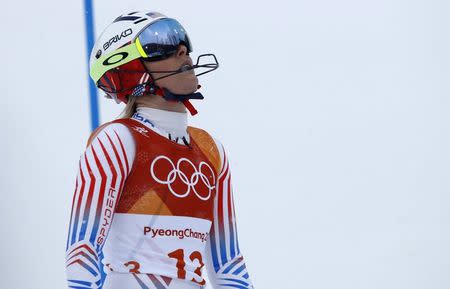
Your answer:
<point x="124" y="29"/>
<point x="116" y="61"/>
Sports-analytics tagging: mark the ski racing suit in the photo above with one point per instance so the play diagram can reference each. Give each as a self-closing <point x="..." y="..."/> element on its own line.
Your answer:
<point x="153" y="205"/>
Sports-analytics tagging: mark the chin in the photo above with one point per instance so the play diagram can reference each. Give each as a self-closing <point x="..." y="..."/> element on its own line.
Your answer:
<point x="186" y="90"/>
<point x="190" y="87"/>
<point x="183" y="85"/>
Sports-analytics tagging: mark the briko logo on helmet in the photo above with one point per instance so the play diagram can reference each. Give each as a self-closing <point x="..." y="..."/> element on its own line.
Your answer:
<point x="117" y="37"/>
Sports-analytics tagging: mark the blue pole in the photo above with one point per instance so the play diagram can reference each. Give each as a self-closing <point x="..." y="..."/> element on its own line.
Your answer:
<point x="89" y="24"/>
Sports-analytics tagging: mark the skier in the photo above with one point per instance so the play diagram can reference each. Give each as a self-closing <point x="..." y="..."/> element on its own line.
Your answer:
<point x="153" y="203"/>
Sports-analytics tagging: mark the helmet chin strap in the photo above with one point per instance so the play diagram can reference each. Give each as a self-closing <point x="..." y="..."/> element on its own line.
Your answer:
<point x="184" y="98"/>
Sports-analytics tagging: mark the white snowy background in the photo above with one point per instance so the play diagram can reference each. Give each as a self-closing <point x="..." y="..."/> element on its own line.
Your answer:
<point x="335" y="115"/>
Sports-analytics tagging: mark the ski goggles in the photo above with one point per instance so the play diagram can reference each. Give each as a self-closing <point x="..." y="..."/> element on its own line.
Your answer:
<point x="157" y="41"/>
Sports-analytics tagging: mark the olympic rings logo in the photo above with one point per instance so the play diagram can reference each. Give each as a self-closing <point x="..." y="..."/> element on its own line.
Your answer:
<point x="191" y="182"/>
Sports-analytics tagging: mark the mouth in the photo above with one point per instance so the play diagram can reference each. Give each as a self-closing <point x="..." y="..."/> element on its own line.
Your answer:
<point x="186" y="66"/>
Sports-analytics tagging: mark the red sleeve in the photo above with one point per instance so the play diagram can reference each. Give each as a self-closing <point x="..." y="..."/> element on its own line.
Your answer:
<point x="225" y="263"/>
<point x="102" y="171"/>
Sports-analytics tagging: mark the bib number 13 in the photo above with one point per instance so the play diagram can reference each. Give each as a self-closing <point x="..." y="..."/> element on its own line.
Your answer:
<point x="179" y="256"/>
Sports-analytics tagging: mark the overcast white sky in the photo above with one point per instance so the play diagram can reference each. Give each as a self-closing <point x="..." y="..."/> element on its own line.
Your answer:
<point x="335" y="115"/>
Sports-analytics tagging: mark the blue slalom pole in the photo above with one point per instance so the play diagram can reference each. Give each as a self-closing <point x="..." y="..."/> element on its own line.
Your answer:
<point x="90" y="38"/>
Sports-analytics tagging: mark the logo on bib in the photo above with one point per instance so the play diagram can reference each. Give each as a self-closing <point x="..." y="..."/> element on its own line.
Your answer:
<point x="141" y="130"/>
<point x="184" y="177"/>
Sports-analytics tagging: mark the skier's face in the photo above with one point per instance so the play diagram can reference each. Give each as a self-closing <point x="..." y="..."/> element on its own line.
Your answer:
<point x="180" y="83"/>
